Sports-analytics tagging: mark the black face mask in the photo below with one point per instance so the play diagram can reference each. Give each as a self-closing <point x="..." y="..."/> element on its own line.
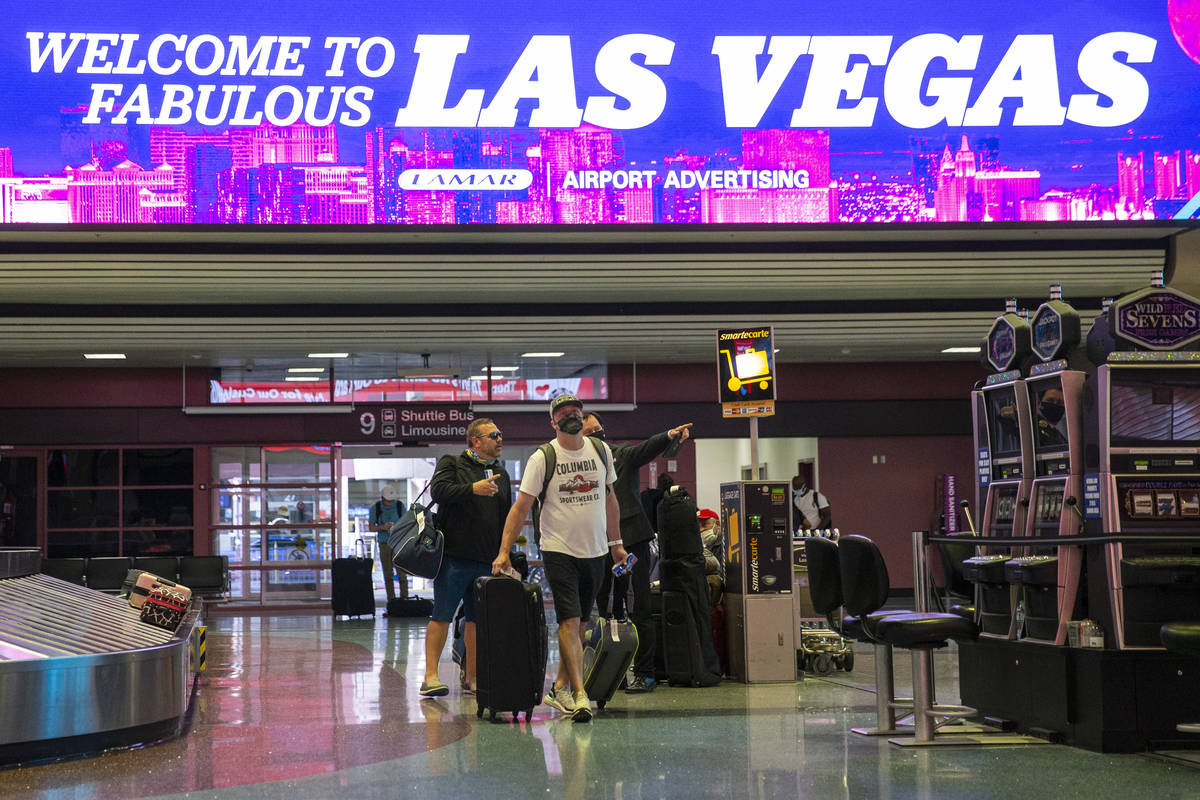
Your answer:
<point x="1053" y="412"/>
<point x="571" y="424"/>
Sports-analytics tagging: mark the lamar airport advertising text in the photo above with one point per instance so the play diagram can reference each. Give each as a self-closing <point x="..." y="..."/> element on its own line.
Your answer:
<point x="553" y="113"/>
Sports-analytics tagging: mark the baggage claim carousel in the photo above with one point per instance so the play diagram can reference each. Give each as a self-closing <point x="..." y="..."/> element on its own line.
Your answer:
<point x="80" y="673"/>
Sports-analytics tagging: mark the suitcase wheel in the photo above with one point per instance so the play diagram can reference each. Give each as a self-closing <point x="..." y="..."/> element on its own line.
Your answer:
<point x="492" y="716"/>
<point x="479" y="712"/>
<point x="600" y="704"/>
<point x="528" y="714"/>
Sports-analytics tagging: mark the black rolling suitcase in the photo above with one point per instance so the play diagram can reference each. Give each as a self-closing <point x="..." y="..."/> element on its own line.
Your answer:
<point x="510" y="638"/>
<point x="353" y="594"/>
<point x="608" y="649"/>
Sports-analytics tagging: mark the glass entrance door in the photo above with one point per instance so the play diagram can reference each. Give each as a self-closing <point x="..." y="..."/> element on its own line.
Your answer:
<point x="275" y="517"/>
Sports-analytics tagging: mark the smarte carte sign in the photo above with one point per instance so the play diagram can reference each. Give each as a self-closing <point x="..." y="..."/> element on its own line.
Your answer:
<point x="613" y="113"/>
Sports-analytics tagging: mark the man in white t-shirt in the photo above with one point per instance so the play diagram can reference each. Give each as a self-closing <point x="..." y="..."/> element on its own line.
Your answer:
<point x="579" y="514"/>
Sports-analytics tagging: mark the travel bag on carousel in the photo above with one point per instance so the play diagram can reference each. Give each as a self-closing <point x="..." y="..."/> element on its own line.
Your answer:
<point x="165" y="607"/>
<point x="511" y="646"/>
<point x="138" y="587"/>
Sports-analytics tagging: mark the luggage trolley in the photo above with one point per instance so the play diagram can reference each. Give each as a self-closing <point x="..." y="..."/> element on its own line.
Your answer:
<point x="819" y="649"/>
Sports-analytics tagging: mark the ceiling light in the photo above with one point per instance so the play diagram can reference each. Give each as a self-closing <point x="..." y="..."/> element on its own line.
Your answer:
<point x="101" y="356"/>
<point x="306" y="369"/>
<point x="328" y="355"/>
<point x="501" y="369"/>
<point x="301" y="378"/>
<point x="540" y="355"/>
<point x="961" y="350"/>
<point x="425" y="373"/>
<point x="479" y="377"/>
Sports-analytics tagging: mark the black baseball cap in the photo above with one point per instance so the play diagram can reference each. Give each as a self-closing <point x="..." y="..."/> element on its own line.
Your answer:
<point x="564" y="400"/>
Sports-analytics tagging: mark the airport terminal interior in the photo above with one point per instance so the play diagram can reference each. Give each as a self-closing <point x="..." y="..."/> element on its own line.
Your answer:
<point x="934" y="338"/>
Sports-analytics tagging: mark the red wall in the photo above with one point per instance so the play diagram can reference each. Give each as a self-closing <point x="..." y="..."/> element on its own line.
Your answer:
<point x="886" y="501"/>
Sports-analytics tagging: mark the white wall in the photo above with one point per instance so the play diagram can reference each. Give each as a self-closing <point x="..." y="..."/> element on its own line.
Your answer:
<point x="721" y="461"/>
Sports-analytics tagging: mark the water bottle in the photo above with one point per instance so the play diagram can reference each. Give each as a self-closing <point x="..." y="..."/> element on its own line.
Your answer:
<point x="619" y="570"/>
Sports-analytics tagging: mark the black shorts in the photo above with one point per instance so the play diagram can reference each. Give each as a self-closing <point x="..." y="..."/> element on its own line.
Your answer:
<point x="573" y="583"/>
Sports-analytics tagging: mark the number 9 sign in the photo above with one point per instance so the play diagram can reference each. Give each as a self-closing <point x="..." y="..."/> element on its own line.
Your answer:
<point x="366" y="423"/>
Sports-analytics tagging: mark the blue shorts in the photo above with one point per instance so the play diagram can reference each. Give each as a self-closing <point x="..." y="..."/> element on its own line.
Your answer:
<point x="454" y="584"/>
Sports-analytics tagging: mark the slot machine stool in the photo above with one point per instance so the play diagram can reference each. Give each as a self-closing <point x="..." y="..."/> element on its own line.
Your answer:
<point x="1182" y="637"/>
<point x="865" y="585"/>
<point x="825" y="588"/>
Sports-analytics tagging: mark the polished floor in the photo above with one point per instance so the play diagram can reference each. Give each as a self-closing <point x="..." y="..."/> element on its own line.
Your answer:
<point x="306" y="706"/>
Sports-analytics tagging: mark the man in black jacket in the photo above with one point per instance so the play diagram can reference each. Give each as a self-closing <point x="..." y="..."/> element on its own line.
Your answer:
<point x="473" y="494"/>
<point x="636" y="535"/>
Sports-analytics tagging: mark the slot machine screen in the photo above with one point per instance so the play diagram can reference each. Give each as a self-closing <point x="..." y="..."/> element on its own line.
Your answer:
<point x="1004" y="510"/>
<point x="1048" y="508"/>
<point x="1154" y="407"/>
<point x="1047" y="405"/>
<point x="1003" y="428"/>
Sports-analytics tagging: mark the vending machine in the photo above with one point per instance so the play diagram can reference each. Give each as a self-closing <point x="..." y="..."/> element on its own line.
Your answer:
<point x="757" y="519"/>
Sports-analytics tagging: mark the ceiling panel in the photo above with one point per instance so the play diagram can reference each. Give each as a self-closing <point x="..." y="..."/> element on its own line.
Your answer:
<point x="216" y="297"/>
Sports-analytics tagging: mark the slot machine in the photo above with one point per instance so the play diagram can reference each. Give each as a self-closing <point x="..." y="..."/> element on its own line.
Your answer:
<point x="1048" y="577"/>
<point x="1002" y="432"/>
<point x="1144" y="469"/>
<point x="1149" y="483"/>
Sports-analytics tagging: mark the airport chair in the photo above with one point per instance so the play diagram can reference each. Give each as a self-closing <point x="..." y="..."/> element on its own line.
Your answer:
<point x="825" y="588"/>
<point x="162" y="566"/>
<point x="1182" y="637"/>
<point x="205" y="575"/>
<point x="107" y="573"/>
<point x="65" y="569"/>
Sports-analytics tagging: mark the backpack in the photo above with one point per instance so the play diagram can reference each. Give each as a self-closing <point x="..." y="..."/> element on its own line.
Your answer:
<point x="381" y="537"/>
<point x="551" y="458"/>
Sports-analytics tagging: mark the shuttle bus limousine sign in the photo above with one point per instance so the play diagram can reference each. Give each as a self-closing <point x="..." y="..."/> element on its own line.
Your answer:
<point x="616" y="113"/>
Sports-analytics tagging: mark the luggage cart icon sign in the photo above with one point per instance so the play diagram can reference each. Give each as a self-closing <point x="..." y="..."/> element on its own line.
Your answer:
<point x="746" y="368"/>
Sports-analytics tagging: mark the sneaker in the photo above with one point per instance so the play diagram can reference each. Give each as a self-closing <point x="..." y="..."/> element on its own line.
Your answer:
<point x="560" y="697"/>
<point x="641" y="685"/>
<point x="583" y="708"/>
<point x="433" y="689"/>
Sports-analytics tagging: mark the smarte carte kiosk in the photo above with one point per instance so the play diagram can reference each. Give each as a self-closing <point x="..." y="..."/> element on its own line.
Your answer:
<point x="758" y="580"/>
<point x="1048" y="577"/>
<point x="1002" y="443"/>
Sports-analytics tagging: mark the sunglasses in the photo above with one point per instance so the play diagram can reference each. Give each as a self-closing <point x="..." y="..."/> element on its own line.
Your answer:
<point x="494" y="435"/>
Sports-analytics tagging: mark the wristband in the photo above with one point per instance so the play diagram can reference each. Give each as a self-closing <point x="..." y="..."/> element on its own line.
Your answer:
<point x="614" y="544"/>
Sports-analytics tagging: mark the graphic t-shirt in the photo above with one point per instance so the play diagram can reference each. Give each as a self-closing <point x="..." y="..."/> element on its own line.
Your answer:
<point x="573" y="519"/>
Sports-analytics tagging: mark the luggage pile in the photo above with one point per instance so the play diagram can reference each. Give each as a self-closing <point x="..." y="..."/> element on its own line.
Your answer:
<point x="162" y="602"/>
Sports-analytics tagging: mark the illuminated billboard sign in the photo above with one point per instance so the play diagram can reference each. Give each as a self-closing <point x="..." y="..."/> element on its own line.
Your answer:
<point x="540" y="113"/>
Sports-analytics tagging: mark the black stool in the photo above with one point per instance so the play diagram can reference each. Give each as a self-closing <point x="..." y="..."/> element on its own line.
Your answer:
<point x="825" y="587"/>
<point x="1182" y="637"/>
<point x="865" y="581"/>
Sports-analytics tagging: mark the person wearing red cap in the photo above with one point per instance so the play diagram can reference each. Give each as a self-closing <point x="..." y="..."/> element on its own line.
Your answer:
<point x="714" y="565"/>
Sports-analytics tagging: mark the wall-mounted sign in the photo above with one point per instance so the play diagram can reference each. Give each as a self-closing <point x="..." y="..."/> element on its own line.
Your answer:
<point x="746" y="372"/>
<point x="551" y="113"/>
<point x="1156" y="319"/>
